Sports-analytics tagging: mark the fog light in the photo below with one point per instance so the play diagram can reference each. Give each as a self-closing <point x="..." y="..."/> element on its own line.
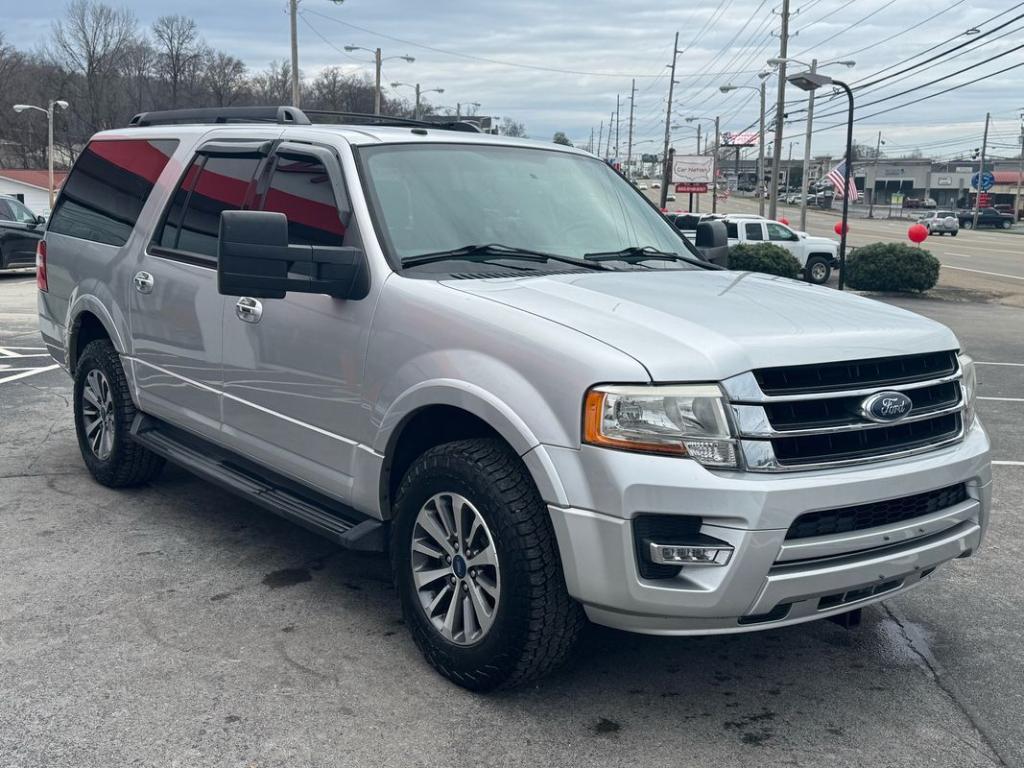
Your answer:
<point x="709" y="551"/>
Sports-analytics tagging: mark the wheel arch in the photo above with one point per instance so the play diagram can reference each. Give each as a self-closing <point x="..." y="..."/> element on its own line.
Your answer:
<point x="90" y="322"/>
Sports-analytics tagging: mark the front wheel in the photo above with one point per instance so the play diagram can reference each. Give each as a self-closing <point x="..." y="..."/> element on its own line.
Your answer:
<point x="967" y="224"/>
<point x="477" y="567"/>
<point x="1007" y="224"/>
<point x="952" y="234"/>
<point x="818" y="270"/>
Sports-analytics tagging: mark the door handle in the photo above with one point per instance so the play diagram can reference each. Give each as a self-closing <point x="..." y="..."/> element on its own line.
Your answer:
<point x="249" y="310"/>
<point x="143" y="282"/>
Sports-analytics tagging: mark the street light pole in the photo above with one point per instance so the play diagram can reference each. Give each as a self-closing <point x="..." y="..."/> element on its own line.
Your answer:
<point x="629" y="144"/>
<point x="49" y="111"/>
<point x="780" y="106"/>
<point x="376" y="89"/>
<point x="378" y="59"/>
<point x="1020" y="173"/>
<point x="807" y="154"/>
<point x="714" y="170"/>
<point x="293" y="7"/>
<point x="874" y="177"/>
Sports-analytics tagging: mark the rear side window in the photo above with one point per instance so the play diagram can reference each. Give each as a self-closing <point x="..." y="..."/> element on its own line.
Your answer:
<point x="212" y="184"/>
<point x="300" y="188"/>
<point x="731" y="230"/>
<point x="107" y="188"/>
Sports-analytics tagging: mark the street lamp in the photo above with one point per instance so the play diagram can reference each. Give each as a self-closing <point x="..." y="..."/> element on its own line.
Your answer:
<point x="49" y="124"/>
<point x="811" y="81"/>
<point x="714" y="161"/>
<point x="813" y="67"/>
<point x="760" y="134"/>
<point x="377" y="61"/>
<point x="419" y="93"/>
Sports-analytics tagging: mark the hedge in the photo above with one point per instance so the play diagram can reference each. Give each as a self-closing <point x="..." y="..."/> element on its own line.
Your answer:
<point x="768" y="258"/>
<point x="891" y="267"/>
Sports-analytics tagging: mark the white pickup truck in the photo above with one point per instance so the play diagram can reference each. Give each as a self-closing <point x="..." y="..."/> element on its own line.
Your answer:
<point x="817" y="255"/>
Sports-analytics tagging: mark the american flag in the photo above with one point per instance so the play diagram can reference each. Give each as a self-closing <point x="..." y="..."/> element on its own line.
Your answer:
<point x="837" y="177"/>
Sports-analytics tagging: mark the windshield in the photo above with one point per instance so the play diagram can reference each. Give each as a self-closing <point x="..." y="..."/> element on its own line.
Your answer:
<point x="431" y="198"/>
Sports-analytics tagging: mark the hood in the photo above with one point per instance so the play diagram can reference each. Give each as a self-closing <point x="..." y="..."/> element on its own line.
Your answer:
<point x="815" y="240"/>
<point x="708" y="325"/>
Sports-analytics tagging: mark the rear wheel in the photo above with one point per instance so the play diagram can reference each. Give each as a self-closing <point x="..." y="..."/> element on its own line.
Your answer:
<point x="103" y="417"/>
<point x="818" y="270"/>
<point x="967" y="224"/>
<point x="477" y="567"/>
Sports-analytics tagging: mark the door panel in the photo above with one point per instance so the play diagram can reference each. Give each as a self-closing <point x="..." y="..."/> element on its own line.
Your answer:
<point x="176" y="323"/>
<point x="292" y="379"/>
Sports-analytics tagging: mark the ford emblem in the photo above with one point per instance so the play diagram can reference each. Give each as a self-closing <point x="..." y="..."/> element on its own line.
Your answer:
<point x="886" y="406"/>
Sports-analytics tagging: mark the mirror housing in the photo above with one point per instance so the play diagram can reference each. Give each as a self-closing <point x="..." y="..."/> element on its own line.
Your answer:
<point x="255" y="259"/>
<point x="712" y="242"/>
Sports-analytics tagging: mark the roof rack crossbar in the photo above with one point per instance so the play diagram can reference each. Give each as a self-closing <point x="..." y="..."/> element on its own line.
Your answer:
<point x="280" y="115"/>
<point x="367" y="118"/>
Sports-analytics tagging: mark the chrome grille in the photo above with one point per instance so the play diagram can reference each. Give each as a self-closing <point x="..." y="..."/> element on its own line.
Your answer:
<point x="809" y="417"/>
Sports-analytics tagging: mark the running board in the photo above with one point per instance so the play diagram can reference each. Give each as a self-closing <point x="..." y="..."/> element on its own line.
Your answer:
<point x="313" y="511"/>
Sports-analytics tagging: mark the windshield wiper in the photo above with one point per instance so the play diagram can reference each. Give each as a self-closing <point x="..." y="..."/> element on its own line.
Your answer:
<point x="490" y="251"/>
<point x="635" y="254"/>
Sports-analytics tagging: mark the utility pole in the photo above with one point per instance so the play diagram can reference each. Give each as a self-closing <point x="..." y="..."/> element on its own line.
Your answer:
<point x="874" y="176"/>
<point x="807" y="154"/>
<point x="1020" y="173"/>
<point x="629" y="145"/>
<point x="618" y="121"/>
<point x="416" y="114"/>
<point x="780" y="106"/>
<point x="981" y="172"/>
<point x="600" y="135"/>
<point x="760" y="155"/>
<point x="697" y="209"/>
<point x="590" y="144"/>
<point x="376" y="90"/>
<point x="608" y="143"/>
<point x="293" y="7"/>
<point x="789" y="164"/>
<point x="666" y="171"/>
<point x="714" y="169"/>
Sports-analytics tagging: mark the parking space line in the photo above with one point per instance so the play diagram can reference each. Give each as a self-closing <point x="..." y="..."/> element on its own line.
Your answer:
<point x="1004" y="399"/>
<point x="1015" y="365"/>
<point x="1009" y="463"/>
<point x="32" y="372"/>
<point x="983" y="272"/>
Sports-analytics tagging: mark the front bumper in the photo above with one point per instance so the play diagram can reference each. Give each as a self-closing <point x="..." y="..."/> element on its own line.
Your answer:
<point x="769" y="581"/>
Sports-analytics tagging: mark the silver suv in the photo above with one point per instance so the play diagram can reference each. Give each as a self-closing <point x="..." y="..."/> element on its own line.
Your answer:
<point x="941" y="223"/>
<point x="495" y="360"/>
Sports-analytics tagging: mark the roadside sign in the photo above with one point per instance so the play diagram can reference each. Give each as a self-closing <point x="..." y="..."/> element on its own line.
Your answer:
<point x="692" y="169"/>
<point x="697" y="188"/>
<point x="988" y="180"/>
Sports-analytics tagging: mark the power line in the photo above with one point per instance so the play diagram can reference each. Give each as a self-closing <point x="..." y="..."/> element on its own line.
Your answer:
<point x="844" y="30"/>
<point x="915" y="27"/>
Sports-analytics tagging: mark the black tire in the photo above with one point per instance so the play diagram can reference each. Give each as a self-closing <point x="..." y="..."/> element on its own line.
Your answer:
<point x="1007" y="224"/>
<point x="818" y="270"/>
<point x="536" y="623"/>
<point x="967" y="224"/>
<point x="952" y="234"/>
<point x="128" y="463"/>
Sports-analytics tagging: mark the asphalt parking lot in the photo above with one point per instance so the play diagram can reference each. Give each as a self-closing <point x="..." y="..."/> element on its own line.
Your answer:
<point x="172" y="625"/>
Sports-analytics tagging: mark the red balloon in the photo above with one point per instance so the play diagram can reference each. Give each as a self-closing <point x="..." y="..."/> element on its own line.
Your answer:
<point x="838" y="228"/>
<point x="784" y="220"/>
<point x="917" y="233"/>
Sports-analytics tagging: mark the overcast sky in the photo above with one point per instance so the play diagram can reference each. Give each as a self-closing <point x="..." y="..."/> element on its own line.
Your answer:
<point x="602" y="44"/>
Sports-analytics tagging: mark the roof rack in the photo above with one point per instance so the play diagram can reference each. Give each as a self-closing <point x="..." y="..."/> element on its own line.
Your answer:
<point x="360" y="118"/>
<point x="285" y="116"/>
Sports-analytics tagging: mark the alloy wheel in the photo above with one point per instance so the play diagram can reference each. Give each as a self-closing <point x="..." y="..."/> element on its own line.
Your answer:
<point x="455" y="568"/>
<point x="98" y="414"/>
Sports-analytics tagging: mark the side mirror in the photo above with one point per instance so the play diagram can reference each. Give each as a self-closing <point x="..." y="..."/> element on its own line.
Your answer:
<point x="255" y="259"/>
<point x="40" y="219"/>
<point x="713" y="242"/>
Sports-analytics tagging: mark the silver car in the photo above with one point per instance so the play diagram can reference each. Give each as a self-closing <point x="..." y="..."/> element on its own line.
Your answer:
<point x="412" y="338"/>
<point x="941" y="223"/>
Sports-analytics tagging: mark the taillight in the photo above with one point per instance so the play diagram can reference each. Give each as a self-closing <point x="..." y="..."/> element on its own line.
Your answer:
<point x="41" y="266"/>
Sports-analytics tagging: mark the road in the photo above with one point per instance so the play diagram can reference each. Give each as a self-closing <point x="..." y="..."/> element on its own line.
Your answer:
<point x="173" y="625"/>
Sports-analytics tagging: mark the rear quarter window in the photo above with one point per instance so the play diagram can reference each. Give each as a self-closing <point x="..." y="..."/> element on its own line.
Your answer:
<point x="108" y="187"/>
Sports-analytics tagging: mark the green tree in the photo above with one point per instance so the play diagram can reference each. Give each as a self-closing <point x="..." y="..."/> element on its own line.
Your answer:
<point x="561" y="138"/>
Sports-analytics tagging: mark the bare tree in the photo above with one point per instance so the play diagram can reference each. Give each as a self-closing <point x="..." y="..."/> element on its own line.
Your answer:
<point x="139" y="64"/>
<point x="179" y="49"/>
<point x="274" y="84"/>
<point x="224" y="78"/>
<point x="510" y="127"/>
<point x="92" y="41"/>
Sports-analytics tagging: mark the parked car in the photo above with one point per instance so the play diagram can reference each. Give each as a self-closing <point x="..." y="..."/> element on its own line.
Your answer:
<point x="412" y="339"/>
<point x="941" y="223"/>
<point x="987" y="217"/>
<point x="642" y="185"/>
<point x="817" y="255"/>
<point x="655" y="185"/>
<point x="918" y="202"/>
<point x="20" y="231"/>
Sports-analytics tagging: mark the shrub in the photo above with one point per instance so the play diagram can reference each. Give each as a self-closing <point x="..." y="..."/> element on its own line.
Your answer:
<point x="891" y="267"/>
<point x="764" y="257"/>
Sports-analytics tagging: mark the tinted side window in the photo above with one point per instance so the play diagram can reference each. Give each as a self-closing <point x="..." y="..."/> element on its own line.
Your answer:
<point x="5" y="211"/>
<point x="168" y="236"/>
<point x="301" y="189"/>
<point x="107" y="188"/>
<point x="221" y="185"/>
<point x="754" y="231"/>
<point x="731" y="230"/>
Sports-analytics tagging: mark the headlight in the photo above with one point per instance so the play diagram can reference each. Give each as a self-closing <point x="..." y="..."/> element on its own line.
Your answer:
<point x="679" y="420"/>
<point x="970" y="384"/>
